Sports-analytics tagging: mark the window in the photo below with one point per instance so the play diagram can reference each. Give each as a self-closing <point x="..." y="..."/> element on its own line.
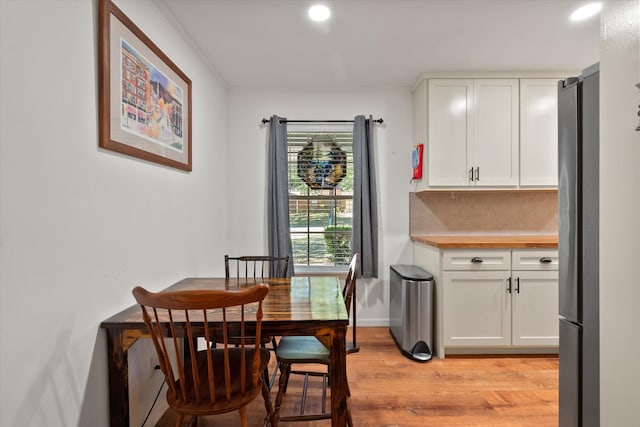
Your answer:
<point x="320" y="169"/>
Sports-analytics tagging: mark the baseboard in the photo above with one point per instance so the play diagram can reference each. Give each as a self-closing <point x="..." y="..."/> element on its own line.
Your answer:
<point x="372" y="322"/>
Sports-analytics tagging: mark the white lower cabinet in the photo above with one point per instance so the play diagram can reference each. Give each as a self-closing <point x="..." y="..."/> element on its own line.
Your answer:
<point x="500" y="298"/>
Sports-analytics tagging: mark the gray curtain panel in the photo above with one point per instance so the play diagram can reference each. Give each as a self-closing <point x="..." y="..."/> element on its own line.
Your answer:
<point x="365" y="206"/>
<point x="278" y="192"/>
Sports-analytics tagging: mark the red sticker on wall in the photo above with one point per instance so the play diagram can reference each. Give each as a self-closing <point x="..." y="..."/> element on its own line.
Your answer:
<point x="416" y="161"/>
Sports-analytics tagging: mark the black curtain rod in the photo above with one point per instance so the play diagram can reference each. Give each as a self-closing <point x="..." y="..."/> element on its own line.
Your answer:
<point x="265" y="121"/>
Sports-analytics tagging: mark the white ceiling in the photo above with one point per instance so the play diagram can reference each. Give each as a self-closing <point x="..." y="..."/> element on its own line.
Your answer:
<point x="383" y="42"/>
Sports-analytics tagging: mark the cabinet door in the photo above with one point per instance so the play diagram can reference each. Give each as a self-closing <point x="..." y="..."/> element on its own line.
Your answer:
<point x="539" y="132"/>
<point x="449" y="127"/>
<point x="535" y="308"/>
<point x="477" y="308"/>
<point x="495" y="132"/>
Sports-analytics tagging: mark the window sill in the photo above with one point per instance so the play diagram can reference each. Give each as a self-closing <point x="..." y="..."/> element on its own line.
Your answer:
<point x="321" y="270"/>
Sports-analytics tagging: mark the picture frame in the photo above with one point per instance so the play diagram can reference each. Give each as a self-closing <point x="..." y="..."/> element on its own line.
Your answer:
<point x="144" y="98"/>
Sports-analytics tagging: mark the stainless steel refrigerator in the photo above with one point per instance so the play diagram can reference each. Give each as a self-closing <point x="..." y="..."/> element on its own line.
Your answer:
<point x="578" y="245"/>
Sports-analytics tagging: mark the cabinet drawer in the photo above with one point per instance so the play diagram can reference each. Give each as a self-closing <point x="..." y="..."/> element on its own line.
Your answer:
<point x="476" y="260"/>
<point x="535" y="260"/>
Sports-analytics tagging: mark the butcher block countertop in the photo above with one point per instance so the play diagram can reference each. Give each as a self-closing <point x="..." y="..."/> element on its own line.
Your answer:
<point x="489" y="241"/>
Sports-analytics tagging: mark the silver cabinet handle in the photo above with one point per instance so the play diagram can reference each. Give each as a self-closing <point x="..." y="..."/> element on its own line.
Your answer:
<point x="517" y="285"/>
<point x="476" y="260"/>
<point x="471" y="174"/>
<point x="545" y="260"/>
<point x="509" y="287"/>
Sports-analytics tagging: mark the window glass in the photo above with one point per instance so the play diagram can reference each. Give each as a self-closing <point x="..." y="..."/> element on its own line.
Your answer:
<point x="321" y="197"/>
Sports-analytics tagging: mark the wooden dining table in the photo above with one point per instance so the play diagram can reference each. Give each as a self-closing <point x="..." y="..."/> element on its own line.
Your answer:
<point x="300" y="305"/>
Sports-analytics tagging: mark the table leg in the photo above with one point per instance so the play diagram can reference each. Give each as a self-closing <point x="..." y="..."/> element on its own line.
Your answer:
<point x="118" y="379"/>
<point x="338" y="377"/>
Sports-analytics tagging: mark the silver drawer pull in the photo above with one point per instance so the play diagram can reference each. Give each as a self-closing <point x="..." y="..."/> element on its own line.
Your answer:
<point x="545" y="260"/>
<point x="476" y="260"/>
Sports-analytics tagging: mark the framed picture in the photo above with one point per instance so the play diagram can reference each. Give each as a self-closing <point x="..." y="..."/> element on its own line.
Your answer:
<point x="145" y="99"/>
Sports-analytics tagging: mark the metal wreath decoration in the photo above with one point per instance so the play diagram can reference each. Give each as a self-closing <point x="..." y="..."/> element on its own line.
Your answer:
<point x="321" y="163"/>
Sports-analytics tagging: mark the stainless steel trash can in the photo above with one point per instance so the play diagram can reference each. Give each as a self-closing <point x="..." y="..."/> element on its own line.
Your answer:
<point x="411" y="311"/>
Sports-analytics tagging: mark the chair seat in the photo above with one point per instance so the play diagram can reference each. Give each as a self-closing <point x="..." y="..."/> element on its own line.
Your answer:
<point x="222" y="404"/>
<point x="302" y="349"/>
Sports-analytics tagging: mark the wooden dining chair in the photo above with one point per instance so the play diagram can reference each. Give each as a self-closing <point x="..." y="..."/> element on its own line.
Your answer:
<point x="212" y="380"/>
<point x="308" y="350"/>
<point x="258" y="267"/>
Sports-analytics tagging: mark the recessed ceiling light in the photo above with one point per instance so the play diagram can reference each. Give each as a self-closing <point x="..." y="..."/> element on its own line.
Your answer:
<point x="319" y="12"/>
<point x="586" y="11"/>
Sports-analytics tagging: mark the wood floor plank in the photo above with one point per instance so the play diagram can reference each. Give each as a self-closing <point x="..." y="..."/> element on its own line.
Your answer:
<point x="389" y="390"/>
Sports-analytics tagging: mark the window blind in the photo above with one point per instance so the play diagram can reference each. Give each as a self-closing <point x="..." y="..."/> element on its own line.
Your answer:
<point x="320" y="168"/>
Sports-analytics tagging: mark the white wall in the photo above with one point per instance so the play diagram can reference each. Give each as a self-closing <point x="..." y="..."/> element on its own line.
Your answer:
<point x="79" y="226"/>
<point x="393" y="144"/>
<point x="619" y="213"/>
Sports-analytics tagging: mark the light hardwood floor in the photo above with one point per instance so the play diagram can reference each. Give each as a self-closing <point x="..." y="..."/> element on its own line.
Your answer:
<point x="388" y="389"/>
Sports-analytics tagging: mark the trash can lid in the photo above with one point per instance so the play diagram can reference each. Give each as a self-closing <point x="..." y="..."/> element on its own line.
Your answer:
<point x="411" y="272"/>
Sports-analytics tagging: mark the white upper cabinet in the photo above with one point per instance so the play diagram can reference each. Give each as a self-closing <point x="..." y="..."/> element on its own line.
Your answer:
<point x="487" y="132"/>
<point x="539" y="133"/>
<point x="472" y="132"/>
